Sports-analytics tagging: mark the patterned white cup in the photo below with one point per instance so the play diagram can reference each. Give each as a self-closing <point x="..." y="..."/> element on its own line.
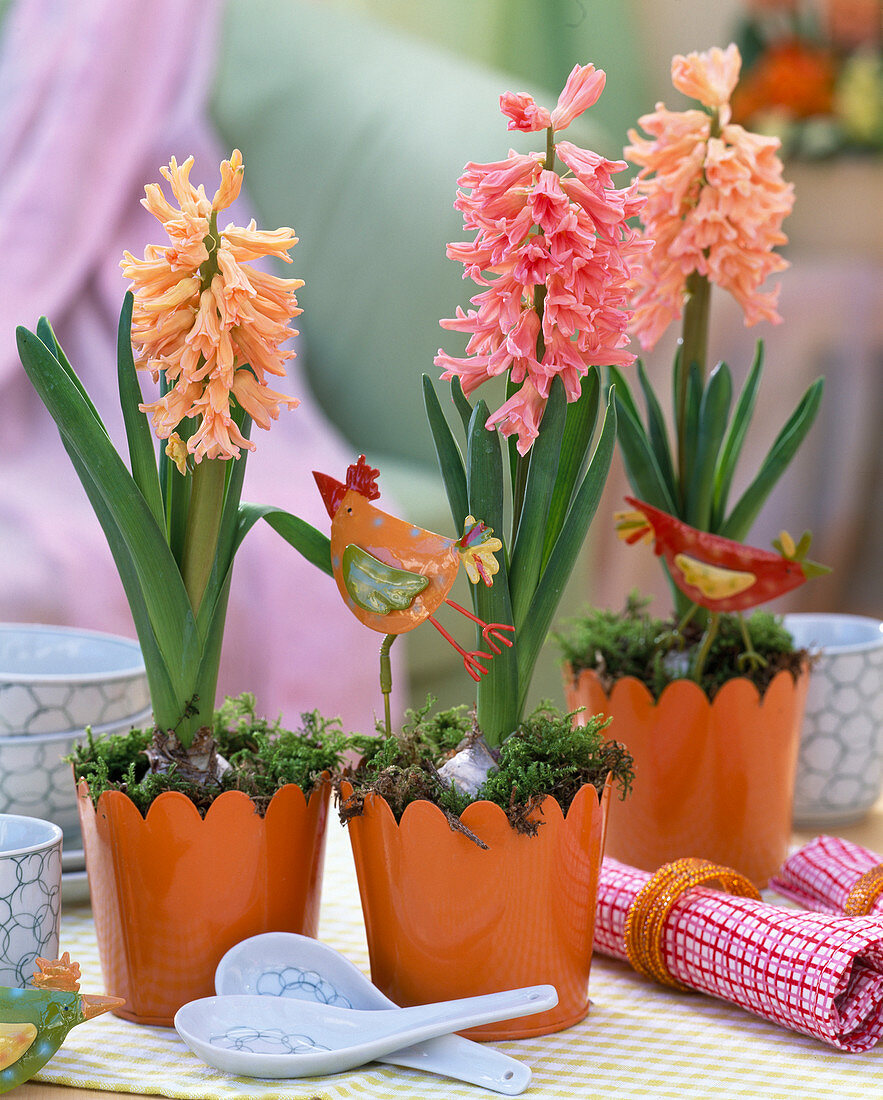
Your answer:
<point x="840" y="764"/>
<point x="30" y="895"/>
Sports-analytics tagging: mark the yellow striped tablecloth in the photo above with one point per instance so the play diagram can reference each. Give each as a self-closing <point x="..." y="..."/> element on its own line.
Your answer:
<point x="639" y="1040"/>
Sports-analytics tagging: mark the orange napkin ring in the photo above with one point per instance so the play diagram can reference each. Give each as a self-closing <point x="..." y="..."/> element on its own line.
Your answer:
<point x="648" y="912"/>
<point x="861" y="898"/>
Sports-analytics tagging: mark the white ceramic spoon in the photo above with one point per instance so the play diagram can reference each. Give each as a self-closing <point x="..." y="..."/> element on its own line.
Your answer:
<point x="255" y="1036"/>
<point x="284" y="964"/>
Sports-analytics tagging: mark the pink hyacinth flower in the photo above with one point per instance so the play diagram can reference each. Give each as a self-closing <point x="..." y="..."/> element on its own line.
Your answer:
<point x="709" y="77"/>
<point x="715" y="201"/>
<point x="582" y="90"/>
<point x="521" y="416"/>
<point x="555" y="258"/>
<point x="523" y="112"/>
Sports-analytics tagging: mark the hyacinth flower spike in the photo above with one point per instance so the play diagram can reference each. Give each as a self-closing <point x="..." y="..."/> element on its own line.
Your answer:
<point x="550" y="247"/>
<point x="211" y="330"/>
<point x="718" y="573"/>
<point x="716" y="200"/>
<point x="393" y="575"/>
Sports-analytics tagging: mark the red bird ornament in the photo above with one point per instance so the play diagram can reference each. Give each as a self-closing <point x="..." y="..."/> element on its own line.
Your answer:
<point x="715" y="572"/>
<point x="718" y="573"/>
<point x="393" y="575"/>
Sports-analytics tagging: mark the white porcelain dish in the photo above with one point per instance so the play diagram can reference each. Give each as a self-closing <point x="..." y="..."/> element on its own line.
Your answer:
<point x="36" y="780"/>
<point x="285" y="964"/>
<point x="277" y="1037"/>
<point x="55" y="678"/>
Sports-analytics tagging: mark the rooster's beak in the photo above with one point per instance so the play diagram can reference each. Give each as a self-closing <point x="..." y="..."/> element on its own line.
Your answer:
<point x="94" y="1006"/>
<point x="332" y="492"/>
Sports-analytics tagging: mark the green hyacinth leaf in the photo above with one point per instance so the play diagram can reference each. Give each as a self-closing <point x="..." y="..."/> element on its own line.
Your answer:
<point x="657" y="433"/>
<point x="142" y="446"/>
<point x="774" y="465"/>
<point x="625" y="399"/>
<point x="47" y="336"/>
<point x="309" y="542"/>
<point x="579" y="430"/>
<point x="461" y="402"/>
<point x="450" y="459"/>
<point x="564" y="554"/>
<point x="134" y="525"/>
<point x="735" y="438"/>
<point x="527" y="548"/>
<point x="641" y="467"/>
<point x="519" y="466"/>
<point x="498" y="711"/>
<point x="167" y="689"/>
<point x="714" y="410"/>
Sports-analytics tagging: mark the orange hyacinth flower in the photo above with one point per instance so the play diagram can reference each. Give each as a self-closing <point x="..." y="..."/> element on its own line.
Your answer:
<point x="716" y="200"/>
<point x="207" y="320"/>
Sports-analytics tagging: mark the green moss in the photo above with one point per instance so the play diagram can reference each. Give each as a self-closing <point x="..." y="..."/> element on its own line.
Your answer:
<point x="403" y="768"/>
<point x="264" y="757"/>
<point x="546" y="755"/>
<point x="634" y="643"/>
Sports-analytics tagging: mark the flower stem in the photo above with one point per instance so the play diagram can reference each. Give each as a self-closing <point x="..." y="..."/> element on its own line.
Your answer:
<point x="694" y="349"/>
<point x="550" y="149"/>
<point x="203" y="524"/>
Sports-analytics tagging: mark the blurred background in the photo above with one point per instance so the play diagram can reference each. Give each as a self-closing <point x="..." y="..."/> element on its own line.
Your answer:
<point x="355" y="118"/>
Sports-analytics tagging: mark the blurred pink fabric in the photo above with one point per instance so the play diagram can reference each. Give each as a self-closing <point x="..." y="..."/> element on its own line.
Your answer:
<point x="95" y="97"/>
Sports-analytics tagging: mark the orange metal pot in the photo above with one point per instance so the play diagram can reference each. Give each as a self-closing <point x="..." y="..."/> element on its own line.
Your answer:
<point x="447" y="919"/>
<point x="714" y="780"/>
<point x="172" y="892"/>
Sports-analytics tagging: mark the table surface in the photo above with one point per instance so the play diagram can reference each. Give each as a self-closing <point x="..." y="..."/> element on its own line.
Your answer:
<point x="868" y="832"/>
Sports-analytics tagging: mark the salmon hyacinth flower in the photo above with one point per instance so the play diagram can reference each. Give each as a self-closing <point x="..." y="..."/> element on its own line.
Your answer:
<point x="716" y="199"/>
<point x="206" y="319"/>
<point x="556" y="258"/>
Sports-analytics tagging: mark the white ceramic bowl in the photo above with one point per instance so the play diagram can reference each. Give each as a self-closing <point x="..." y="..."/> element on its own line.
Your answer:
<point x="36" y="780"/>
<point x="54" y="679"/>
<point x="840" y="763"/>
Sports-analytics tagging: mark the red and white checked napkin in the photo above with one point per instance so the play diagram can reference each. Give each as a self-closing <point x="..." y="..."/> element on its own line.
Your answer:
<point x="811" y="972"/>
<point x="821" y="874"/>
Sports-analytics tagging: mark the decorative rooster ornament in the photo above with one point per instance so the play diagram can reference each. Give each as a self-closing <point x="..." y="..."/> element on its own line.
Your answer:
<point x="718" y="573"/>
<point x="394" y="576"/>
<point x="34" y="1022"/>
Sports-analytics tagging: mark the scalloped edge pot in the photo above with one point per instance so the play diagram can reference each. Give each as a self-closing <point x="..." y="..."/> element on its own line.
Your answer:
<point x="172" y="892"/>
<point x="712" y="779"/>
<point x="447" y="919"/>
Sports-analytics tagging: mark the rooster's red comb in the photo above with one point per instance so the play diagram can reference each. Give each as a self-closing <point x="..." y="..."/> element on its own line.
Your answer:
<point x="363" y="478"/>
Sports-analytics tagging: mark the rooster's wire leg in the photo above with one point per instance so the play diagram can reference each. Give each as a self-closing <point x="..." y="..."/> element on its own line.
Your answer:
<point x="490" y="631"/>
<point x="750" y="658"/>
<point x="386" y="679"/>
<point x="470" y="660"/>
<point x="675" y="637"/>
